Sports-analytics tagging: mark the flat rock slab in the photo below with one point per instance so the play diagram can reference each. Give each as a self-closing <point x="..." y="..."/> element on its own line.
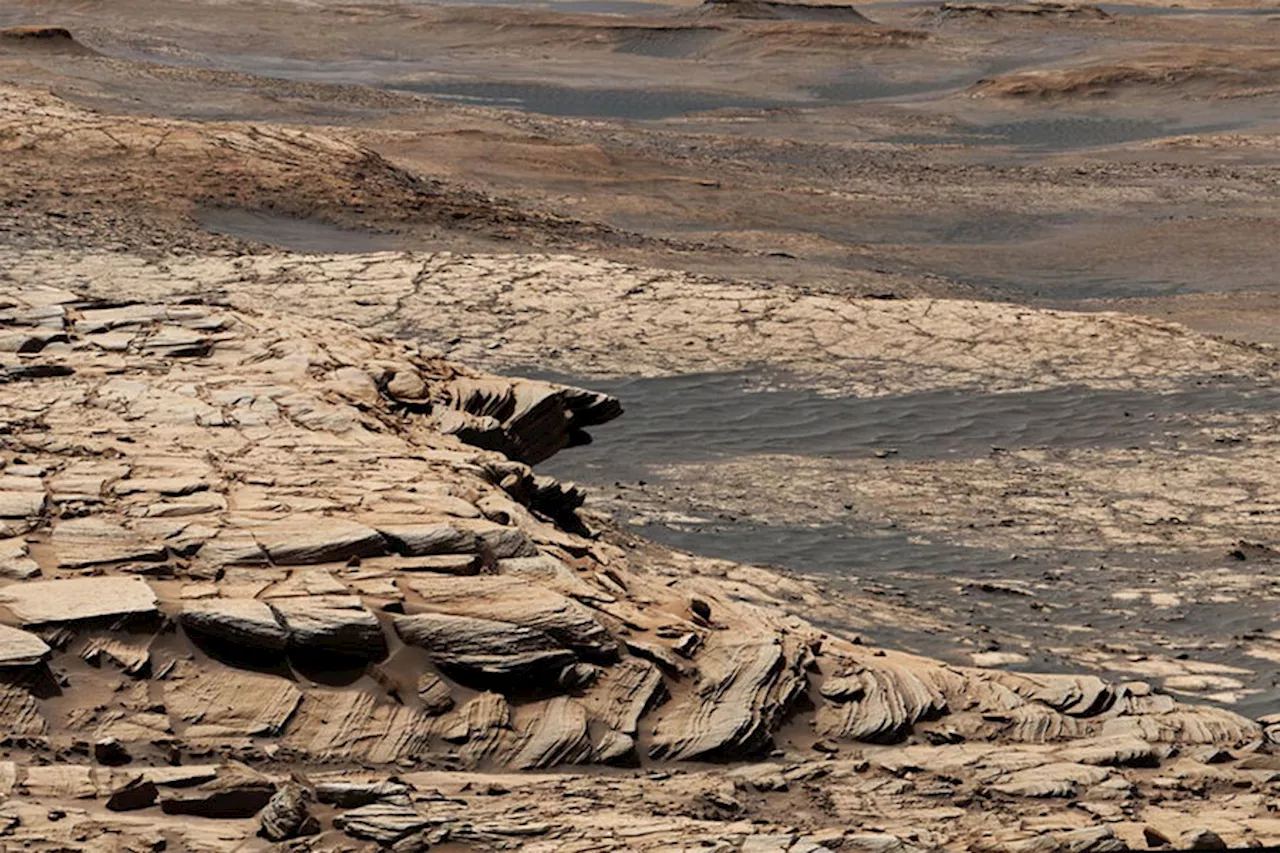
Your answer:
<point x="36" y="602"/>
<point x="382" y="822"/>
<point x="304" y="540"/>
<point x="93" y="541"/>
<point x="22" y="504"/>
<point x="228" y="703"/>
<point x="20" y="648"/>
<point x="445" y="564"/>
<point x="512" y="600"/>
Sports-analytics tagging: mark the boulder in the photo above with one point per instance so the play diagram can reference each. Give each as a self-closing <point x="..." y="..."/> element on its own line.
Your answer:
<point x="485" y="649"/>
<point x="237" y="793"/>
<point x="242" y="622"/>
<point x="137" y="793"/>
<point x="421" y="540"/>
<point x="1201" y="839"/>
<point x="303" y="540"/>
<point x="111" y="752"/>
<point x="332" y="624"/>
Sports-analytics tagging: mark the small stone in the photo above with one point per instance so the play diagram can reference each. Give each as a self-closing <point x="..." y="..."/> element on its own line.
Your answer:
<point x="1202" y="839"/>
<point x="434" y="694"/>
<point x="700" y="608"/>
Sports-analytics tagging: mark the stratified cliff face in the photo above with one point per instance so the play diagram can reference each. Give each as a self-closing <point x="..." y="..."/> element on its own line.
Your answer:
<point x="253" y="573"/>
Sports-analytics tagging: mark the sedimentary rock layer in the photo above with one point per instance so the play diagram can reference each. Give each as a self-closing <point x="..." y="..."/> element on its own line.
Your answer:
<point x="316" y="490"/>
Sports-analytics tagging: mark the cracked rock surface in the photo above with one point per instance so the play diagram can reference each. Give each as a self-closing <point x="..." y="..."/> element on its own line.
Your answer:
<point x="222" y="524"/>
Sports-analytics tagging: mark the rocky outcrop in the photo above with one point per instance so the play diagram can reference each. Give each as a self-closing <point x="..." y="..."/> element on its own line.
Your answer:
<point x="1052" y="11"/>
<point x="742" y="693"/>
<point x="314" y="510"/>
<point x="518" y="602"/>
<point x="525" y="420"/>
<point x="485" y="649"/>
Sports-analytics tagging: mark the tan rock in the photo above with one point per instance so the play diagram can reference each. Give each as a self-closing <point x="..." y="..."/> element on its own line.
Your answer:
<point x="20" y="648"/>
<point x="75" y="599"/>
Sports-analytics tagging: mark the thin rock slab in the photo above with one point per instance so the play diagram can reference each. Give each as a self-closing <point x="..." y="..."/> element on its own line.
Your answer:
<point x="304" y="540"/>
<point x="331" y="624"/>
<point x="382" y="822"/>
<point x="42" y="602"/>
<point x="137" y="793"/>
<point x="350" y="795"/>
<point x="485" y="649"/>
<point x="92" y="541"/>
<point x="21" y="648"/>
<point x="21" y="504"/>
<point x="423" y="540"/>
<point x="521" y="603"/>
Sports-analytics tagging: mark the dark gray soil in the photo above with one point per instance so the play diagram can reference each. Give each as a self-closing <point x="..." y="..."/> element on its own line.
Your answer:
<point x="698" y="417"/>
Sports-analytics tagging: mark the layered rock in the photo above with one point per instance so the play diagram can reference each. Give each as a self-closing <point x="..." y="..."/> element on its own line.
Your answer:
<point x="342" y="576"/>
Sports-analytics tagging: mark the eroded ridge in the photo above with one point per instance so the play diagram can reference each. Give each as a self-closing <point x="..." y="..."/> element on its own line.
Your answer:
<point x="249" y="575"/>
